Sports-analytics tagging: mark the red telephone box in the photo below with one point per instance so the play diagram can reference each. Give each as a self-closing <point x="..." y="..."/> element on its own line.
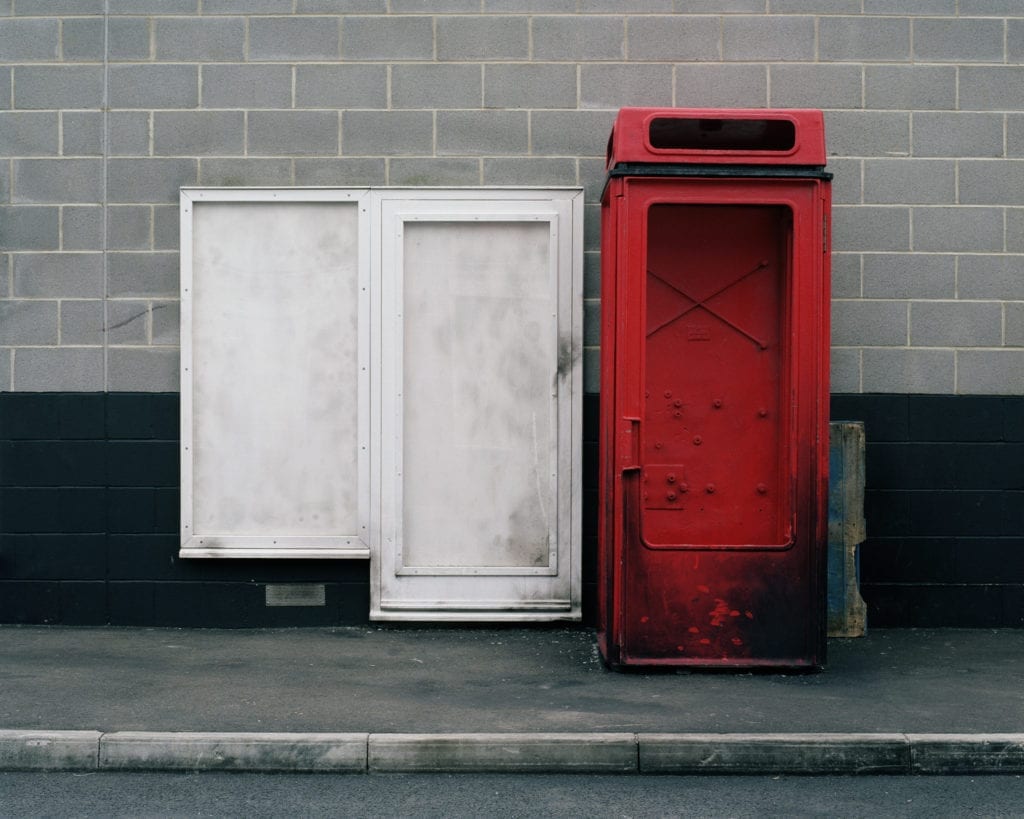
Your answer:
<point x="714" y="389"/>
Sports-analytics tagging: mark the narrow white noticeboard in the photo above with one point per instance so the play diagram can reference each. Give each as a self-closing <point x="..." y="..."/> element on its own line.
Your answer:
<point x="392" y="373"/>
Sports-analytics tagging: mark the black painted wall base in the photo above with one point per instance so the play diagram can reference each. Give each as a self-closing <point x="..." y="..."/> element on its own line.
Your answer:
<point x="89" y="519"/>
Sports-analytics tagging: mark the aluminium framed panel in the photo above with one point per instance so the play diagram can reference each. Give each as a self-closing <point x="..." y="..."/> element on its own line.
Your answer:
<point x="402" y="588"/>
<point x="277" y="538"/>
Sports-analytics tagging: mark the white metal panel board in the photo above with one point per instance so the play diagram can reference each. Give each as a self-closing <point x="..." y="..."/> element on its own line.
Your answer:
<point x="480" y="321"/>
<point x="275" y="428"/>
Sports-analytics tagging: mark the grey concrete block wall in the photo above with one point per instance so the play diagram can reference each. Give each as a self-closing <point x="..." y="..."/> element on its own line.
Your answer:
<point x="107" y="107"/>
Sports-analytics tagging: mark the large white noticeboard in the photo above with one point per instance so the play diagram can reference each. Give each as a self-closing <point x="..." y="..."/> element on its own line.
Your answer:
<point x="392" y="373"/>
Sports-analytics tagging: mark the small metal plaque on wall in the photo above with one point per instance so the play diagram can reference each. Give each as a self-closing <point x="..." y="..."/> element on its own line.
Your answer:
<point x="296" y="594"/>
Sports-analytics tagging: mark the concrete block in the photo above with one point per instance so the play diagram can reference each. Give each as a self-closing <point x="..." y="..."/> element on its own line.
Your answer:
<point x="672" y="38"/>
<point x="129" y="38"/>
<point x="245" y="172"/>
<point x="531" y="6"/>
<point x="387" y="133"/>
<point x="506" y="753"/>
<point x="340" y="172"/>
<point x="137" y="750"/>
<point x="909" y="276"/>
<point x="1015" y="41"/>
<point x="29" y="228"/>
<point x="198" y="133"/>
<point x="30" y="40"/>
<point x="436" y="6"/>
<point x="127" y="322"/>
<point x="874" y="323"/>
<point x="966" y="753"/>
<point x="480" y="38"/>
<point x="488" y="133"/>
<point x="166" y="227"/>
<point x="592" y="176"/>
<point x="910" y="86"/>
<point x="862" y="228"/>
<point x="774" y="753"/>
<point x="58" y="86"/>
<point x="166" y="321"/>
<point x="128" y="133"/>
<point x="6" y="89"/>
<point x="591" y="275"/>
<point x="847" y="180"/>
<point x="992" y="88"/>
<point x="956" y="324"/>
<point x="154" y="6"/>
<point x="576" y="38"/>
<point x="959" y="41"/>
<point x="294" y="38"/>
<point x="434" y="171"/>
<point x="154" y="86"/>
<point x="613" y="7"/>
<point x="529" y="171"/>
<point x="815" y="6"/>
<point x="81" y="322"/>
<point x="58" y="369"/>
<point x="29" y="133"/>
<point x="81" y="228"/>
<point x="26" y="750"/>
<point x="1014" y="135"/>
<point x="990" y="372"/>
<point x="991" y="277"/>
<point x="142" y="274"/>
<point x="954" y="230"/>
<point x="992" y="182"/>
<point x="570" y="133"/>
<point x="200" y="39"/>
<point x="143" y="369"/>
<point x="905" y="370"/>
<point x="58" y="275"/>
<point x="721" y="86"/>
<point x="341" y="6"/>
<point x="615" y="86"/>
<point x="592" y="227"/>
<point x="38" y="181"/>
<point x="27" y="322"/>
<point x="957" y="134"/>
<point x="293" y="133"/>
<point x="844" y="365"/>
<point x="910" y="181"/>
<point x="863" y="39"/>
<point x="148" y="180"/>
<point x="247" y="86"/>
<point x="39" y="8"/>
<point x="436" y="86"/>
<point x="867" y="133"/>
<point x="247" y="6"/>
<point x="1013" y="323"/>
<point x="387" y="38"/>
<point x="129" y="227"/>
<point x="816" y="85"/>
<point x="911" y="7"/>
<point x="341" y="86"/>
<point x="5" y="181"/>
<point x="530" y="86"/>
<point x="82" y="39"/>
<point x="82" y="133"/>
<point x="1015" y="230"/>
<point x="757" y="38"/>
<point x="846" y="275"/>
<point x="591" y="322"/>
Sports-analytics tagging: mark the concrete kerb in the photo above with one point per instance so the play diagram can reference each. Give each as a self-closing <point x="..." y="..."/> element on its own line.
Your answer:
<point x="746" y="754"/>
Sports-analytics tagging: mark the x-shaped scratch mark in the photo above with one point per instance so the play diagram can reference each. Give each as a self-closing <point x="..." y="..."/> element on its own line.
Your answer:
<point x="761" y="265"/>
